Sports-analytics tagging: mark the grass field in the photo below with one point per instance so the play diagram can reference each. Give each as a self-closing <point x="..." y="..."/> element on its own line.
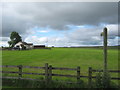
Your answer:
<point x="62" y="57"/>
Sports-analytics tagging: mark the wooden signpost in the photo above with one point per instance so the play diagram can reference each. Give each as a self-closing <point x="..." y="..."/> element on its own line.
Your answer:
<point x="105" y="49"/>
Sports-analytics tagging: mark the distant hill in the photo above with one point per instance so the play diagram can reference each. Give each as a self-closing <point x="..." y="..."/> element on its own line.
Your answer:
<point x="100" y="47"/>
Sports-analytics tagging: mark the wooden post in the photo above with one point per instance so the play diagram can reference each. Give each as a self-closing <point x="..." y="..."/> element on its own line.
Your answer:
<point x="50" y="73"/>
<point x="46" y="73"/>
<point x="20" y="71"/>
<point x="78" y="74"/>
<point x="90" y="77"/>
<point x="105" y="49"/>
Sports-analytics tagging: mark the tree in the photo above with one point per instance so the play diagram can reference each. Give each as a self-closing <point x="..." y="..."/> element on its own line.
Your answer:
<point x="15" y="38"/>
<point x="10" y="43"/>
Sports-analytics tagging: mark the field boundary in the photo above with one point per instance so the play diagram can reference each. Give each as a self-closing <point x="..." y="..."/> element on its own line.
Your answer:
<point x="48" y="72"/>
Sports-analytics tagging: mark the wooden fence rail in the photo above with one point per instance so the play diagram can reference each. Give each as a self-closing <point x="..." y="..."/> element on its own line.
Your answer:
<point x="48" y="72"/>
<point x="114" y="71"/>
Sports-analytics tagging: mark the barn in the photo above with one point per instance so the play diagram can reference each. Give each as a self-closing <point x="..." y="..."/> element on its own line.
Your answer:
<point x="39" y="46"/>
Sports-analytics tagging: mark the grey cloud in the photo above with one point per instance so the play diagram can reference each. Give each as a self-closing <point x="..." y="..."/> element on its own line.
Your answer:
<point x="4" y="38"/>
<point x="21" y="16"/>
<point x="113" y="31"/>
<point x="86" y="33"/>
<point x="86" y="36"/>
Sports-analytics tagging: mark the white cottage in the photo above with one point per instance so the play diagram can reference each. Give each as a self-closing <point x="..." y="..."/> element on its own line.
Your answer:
<point x="26" y="45"/>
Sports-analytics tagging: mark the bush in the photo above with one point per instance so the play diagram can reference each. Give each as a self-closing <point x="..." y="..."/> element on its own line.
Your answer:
<point x="99" y="80"/>
<point x="106" y="79"/>
<point x="41" y="84"/>
<point x="103" y="80"/>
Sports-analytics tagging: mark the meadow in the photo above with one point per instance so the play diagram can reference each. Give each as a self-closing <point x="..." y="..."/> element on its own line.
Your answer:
<point x="61" y="57"/>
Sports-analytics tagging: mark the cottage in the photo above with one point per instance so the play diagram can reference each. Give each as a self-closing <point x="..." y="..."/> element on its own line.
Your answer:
<point x="20" y="45"/>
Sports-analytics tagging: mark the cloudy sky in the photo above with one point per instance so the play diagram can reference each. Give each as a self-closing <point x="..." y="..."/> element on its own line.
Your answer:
<point x="60" y="24"/>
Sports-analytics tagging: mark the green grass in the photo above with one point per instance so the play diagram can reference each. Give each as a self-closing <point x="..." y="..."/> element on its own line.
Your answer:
<point x="62" y="57"/>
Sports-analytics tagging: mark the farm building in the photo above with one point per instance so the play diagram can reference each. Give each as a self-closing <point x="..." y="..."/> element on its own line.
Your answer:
<point x="39" y="46"/>
<point x="26" y="45"/>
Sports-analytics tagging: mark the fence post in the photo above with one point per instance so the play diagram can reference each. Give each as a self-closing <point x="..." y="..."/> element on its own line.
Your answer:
<point x="46" y="73"/>
<point x="90" y="77"/>
<point x="20" y="71"/>
<point x="78" y="74"/>
<point x="50" y="73"/>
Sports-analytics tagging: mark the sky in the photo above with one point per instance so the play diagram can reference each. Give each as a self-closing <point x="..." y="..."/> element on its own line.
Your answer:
<point x="60" y="24"/>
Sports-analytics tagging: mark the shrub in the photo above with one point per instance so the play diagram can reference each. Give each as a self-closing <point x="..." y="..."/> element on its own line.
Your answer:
<point x="99" y="80"/>
<point x="41" y="84"/>
<point x="103" y="80"/>
<point x="106" y="80"/>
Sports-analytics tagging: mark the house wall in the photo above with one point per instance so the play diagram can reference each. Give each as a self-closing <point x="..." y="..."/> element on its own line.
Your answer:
<point x="29" y="46"/>
<point x="18" y="44"/>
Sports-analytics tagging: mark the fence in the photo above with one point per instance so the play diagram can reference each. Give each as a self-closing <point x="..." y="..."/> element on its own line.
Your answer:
<point x="48" y="72"/>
